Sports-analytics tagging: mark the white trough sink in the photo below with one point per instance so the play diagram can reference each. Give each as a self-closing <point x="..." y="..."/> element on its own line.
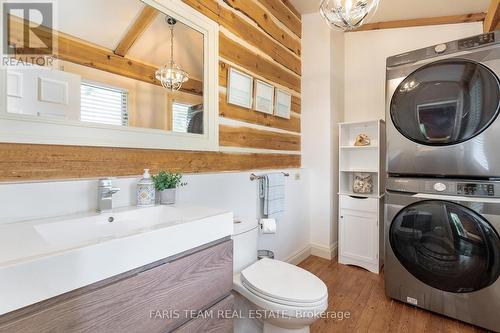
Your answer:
<point x="40" y="259"/>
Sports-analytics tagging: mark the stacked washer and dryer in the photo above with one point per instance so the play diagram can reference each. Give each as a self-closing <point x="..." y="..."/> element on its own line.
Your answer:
<point x="442" y="210"/>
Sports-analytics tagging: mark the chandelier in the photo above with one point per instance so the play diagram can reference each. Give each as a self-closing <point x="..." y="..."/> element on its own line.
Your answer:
<point x="170" y="75"/>
<point x="347" y="15"/>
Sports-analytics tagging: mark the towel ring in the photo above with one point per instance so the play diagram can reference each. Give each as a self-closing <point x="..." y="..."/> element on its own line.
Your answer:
<point x="253" y="176"/>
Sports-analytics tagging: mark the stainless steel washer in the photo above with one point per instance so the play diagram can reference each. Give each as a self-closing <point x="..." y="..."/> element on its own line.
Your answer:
<point x="442" y="109"/>
<point x="442" y="248"/>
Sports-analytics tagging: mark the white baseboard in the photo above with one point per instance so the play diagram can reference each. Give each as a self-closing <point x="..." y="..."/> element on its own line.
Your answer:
<point x="323" y="251"/>
<point x="312" y="250"/>
<point x="299" y="256"/>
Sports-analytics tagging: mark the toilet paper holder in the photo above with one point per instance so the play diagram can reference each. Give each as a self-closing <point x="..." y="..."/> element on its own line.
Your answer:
<point x="267" y="229"/>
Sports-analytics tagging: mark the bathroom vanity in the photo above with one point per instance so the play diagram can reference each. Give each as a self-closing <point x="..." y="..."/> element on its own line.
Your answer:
<point x="148" y="271"/>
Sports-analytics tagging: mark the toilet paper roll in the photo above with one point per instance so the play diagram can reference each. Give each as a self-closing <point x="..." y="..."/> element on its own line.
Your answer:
<point x="268" y="226"/>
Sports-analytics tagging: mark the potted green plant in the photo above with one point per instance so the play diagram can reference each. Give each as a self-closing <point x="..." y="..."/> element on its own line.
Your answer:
<point x="166" y="183"/>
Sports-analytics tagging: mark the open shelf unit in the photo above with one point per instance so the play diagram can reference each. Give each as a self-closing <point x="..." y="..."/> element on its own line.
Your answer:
<point x="361" y="215"/>
<point x="347" y="179"/>
<point x="362" y="159"/>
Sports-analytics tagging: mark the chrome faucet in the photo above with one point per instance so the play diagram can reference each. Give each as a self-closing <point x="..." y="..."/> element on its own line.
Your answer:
<point x="105" y="195"/>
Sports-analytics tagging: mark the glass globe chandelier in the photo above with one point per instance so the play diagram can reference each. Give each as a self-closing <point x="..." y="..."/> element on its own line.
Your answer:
<point x="347" y="15"/>
<point x="170" y="75"/>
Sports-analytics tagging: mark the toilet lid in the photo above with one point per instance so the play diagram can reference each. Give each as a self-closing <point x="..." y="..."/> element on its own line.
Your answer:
<point x="281" y="281"/>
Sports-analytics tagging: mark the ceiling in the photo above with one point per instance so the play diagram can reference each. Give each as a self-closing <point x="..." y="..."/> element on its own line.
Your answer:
<point x="390" y="10"/>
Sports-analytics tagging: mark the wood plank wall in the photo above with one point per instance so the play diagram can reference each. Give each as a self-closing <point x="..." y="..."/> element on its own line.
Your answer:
<point x="262" y="38"/>
<point x="259" y="37"/>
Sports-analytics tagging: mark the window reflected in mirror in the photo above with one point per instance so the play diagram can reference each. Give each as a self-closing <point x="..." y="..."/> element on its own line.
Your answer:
<point x="119" y="63"/>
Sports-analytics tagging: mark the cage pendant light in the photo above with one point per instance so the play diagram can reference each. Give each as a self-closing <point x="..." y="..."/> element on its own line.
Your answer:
<point x="347" y="15"/>
<point x="171" y="75"/>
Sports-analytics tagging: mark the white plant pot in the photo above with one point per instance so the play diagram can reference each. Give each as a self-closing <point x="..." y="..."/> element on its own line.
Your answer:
<point x="167" y="197"/>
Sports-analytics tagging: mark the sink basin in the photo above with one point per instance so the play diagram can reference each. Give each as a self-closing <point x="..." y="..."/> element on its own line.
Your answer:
<point x="40" y="259"/>
<point x="96" y="228"/>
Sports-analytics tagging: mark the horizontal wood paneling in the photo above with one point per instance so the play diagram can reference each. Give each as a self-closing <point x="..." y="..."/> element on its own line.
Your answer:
<point x="209" y="8"/>
<point x="296" y="104"/>
<point x="243" y="114"/>
<point x="223" y="67"/>
<point x="476" y="17"/>
<point x="255" y="63"/>
<point x="232" y="136"/>
<point x="264" y="20"/>
<point x="292" y="8"/>
<point x="284" y="14"/>
<point x="255" y="37"/>
<point x="22" y="161"/>
<point x="249" y="33"/>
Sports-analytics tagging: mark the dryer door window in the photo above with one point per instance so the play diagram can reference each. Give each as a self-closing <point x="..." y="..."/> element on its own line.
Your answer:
<point x="446" y="246"/>
<point x="446" y="102"/>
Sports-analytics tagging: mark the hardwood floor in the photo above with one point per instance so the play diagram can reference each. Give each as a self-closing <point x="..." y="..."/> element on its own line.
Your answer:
<point x="361" y="293"/>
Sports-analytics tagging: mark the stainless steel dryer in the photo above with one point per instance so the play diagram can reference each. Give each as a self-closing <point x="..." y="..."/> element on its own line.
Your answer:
<point x="442" y="109"/>
<point x="443" y="247"/>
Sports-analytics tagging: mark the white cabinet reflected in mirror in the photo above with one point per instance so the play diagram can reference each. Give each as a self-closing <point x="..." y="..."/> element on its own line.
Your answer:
<point x="126" y="73"/>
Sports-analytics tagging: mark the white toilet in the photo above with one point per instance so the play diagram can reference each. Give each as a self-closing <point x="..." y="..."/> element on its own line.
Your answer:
<point x="291" y="297"/>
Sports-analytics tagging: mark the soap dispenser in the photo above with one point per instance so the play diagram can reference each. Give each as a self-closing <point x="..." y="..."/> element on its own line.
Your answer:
<point x="145" y="190"/>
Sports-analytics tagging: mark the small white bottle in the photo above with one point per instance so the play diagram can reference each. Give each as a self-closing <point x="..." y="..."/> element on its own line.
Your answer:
<point x="145" y="190"/>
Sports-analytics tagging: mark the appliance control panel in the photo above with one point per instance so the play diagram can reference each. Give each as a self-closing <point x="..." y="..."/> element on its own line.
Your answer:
<point x="484" y="189"/>
<point x="479" y="190"/>
<point x="466" y="44"/>
<point x="476" y="41"/>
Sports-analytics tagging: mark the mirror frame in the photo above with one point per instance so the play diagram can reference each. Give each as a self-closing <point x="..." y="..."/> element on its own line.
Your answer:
<point x="16" y="128"/>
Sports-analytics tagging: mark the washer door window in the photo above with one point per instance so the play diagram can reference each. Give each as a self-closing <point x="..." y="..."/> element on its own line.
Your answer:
<point x="446" y="102"/>
<point x="446" y="246"/>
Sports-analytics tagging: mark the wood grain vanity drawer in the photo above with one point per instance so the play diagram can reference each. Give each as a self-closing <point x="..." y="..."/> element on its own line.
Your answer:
<point x="212" y="321"/>
<point x="131" y="305"/>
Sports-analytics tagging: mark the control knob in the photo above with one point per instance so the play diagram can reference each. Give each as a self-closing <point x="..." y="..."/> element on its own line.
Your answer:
<point x="440" y="187"/>
<point x="440" y="48"/>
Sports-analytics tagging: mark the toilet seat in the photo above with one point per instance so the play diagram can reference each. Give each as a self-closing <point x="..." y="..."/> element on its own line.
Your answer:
<point x="282" y="286"/>
<point x="281" y="301"/>
<point x="265" y="304"/>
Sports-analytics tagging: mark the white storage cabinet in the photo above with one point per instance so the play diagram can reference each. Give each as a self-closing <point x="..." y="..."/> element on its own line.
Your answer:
<point x="361" y="215"/>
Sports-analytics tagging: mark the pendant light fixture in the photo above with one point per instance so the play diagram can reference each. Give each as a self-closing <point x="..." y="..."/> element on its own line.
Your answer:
<point x="170" y="75"/>
<point x="347" y="15"/>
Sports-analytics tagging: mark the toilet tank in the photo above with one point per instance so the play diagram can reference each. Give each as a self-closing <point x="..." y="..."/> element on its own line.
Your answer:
<point x="245" y="235"/>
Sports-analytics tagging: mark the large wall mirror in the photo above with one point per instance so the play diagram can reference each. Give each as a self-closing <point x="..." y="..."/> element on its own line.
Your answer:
<point x="121" y="73"/>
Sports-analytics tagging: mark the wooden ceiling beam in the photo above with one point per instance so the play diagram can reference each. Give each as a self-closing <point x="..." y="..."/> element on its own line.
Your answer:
<point x="440" y="20"/>
<point x="492" y="20"/>
<point x="143" y="21"/>
<point x="90" y="55"/>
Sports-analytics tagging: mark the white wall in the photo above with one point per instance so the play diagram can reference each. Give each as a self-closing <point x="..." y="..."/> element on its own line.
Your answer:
<point x="337" y="97"/>
<point x="322" y="104"/>
<point x="365" y="58"/>
<point x="231" y="191"/>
